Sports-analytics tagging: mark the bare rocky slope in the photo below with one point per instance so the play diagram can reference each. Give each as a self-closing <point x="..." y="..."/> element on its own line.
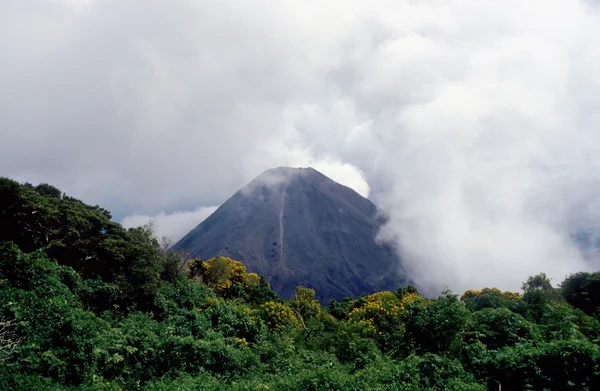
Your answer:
<point x="298" y="227"/>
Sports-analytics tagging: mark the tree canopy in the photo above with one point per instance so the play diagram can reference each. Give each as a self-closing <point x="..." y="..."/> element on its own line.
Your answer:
<point x="86" y="304"/>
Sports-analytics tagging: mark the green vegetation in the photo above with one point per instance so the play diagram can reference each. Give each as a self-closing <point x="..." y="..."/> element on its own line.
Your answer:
<point x="86" y="304"/>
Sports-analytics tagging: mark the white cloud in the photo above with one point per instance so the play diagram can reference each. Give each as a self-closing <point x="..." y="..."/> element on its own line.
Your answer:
<point x="344" y="173"/>
<point x="475" y="124"/>
<point x="172" y="225"/>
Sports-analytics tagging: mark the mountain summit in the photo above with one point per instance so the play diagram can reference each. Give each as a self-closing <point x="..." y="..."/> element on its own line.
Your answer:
<point x="296" y="226"/>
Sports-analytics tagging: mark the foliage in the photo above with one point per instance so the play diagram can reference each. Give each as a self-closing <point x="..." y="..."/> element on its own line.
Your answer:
<point x="476" y="300"/>
<point x="499" y="327"/>
<point x="8" y="339"/>
<point x="435" y="326"/>
<point x="426" y="372"/>
<point x="540" y="283"/>
<point x="279" y="317"/>
<point x="471" y="294"/>
<point x="184" y="294"/>
<point x="124" y="264"/>
<point x="88" y="305"/>
<point x="559" y="365"/>
<point x="379" y="317"/>
<point x="230" y="280"/>
<point x="582" y="290"/>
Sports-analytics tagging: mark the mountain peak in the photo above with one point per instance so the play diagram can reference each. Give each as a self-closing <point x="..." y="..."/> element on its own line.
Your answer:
<point x="284" y="179"/>
<point x="296" y="226"/>
<point x="279" y="174"/>
<point x="282" y="173"/>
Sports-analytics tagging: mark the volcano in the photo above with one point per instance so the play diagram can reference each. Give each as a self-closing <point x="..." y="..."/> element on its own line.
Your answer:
<point x="296" y="226"/>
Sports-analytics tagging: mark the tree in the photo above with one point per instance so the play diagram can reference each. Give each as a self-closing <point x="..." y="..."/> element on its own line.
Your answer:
<point x="173" y="260"/>
<point x="499" y="327"/>
<point x="230" y="279"/>
<point x="142" y="268"/>
<point x="49" y="190"/>
<point x="541" y="283"/>
<point x="582" y="290"/>
<point x="305" y="305"/>
<point x="8" y="339"/>
<point x="401" y="292"/>
<point x="340" y="310"/>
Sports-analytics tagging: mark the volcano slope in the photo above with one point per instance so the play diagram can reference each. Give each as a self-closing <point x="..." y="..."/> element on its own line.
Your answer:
<point x="296" y="226"/>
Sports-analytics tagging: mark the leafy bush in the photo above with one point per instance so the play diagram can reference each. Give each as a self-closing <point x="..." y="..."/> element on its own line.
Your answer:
<point x="559" y="365"/>
<point x="499" y="327"/>
<point x="436" y="326"/>
<point x="582" y="291"/>
<point x="92" y="306"/>
<point x="279" y="317"/>
<point x="427" y="372"/>
<point x="493" y="298"/>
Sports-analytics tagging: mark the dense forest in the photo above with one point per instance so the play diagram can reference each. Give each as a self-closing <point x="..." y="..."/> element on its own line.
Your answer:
<point x="86" y="304"/>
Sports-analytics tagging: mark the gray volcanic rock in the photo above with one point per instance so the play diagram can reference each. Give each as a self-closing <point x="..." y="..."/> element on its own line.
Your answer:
<point x="298" y="227"/>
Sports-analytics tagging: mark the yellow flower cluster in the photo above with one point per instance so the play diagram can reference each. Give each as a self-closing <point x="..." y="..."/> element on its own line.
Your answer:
<point x="242" y="341"/>
<point x="412" y="298"/>
<point x="252" y="279"/>
<point x="210" y="302"/>
<point x="222" y="272"/>
<point x="511" y="295"/>
<point x="382" y="296"/>
<point x="195" y="264"/>
<point x="495" y="291"/>
<point x="223" y="286"/>
<point x="368" y="325"/>
<point x="278" y="316"/>
<point x="243" y="310"/>
<point x="382" y="308"/>
<point x="378" y="306"/>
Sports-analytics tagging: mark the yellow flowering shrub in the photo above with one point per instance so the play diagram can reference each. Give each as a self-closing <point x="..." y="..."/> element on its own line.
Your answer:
<point x="511" y="295"/>
<point x="412" y="298"/>
<point x="221" y="273"/>
<point x="386" y="303"/>
<point x="278" y="317"/>
<point x="381" y="312"/>
<point x="378" y="308"/>
<point x="252" y="279"/>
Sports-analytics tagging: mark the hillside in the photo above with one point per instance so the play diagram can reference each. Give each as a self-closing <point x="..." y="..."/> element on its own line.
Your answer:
<point x="298" y="227"/>
<point x="87" y="305"/>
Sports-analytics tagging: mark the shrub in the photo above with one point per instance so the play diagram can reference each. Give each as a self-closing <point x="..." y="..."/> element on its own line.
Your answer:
<point x="279" y="317"/>
<point x="499" y="327"/>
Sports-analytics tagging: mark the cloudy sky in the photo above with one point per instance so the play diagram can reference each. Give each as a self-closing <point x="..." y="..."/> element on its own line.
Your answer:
<point x="475" y="124"/>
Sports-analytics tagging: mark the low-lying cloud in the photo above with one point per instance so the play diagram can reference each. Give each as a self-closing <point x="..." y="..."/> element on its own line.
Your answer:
<point x="171" y="225"/>
<point x="473" y="124"/>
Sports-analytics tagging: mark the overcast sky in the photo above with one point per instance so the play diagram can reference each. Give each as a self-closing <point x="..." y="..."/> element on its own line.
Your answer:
<point x="475" y="124"/>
